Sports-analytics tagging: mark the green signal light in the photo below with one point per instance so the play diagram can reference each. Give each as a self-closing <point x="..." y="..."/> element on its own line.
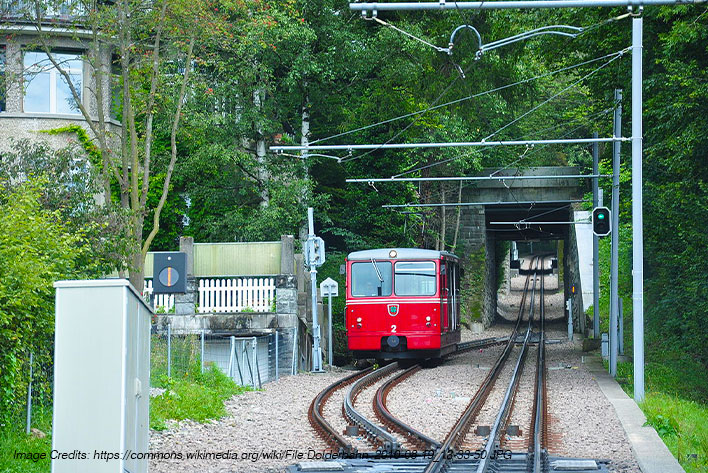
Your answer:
<point x="601" y="216"/>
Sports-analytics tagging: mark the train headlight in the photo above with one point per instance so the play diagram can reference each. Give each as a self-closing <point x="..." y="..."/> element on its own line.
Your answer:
<point x="358" y="319"/>
<point x="427" y="318"/>
<point x="392" y="254"/>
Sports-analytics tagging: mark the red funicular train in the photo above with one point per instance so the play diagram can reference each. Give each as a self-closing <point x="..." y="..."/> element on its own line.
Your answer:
<point x="402" y="303"/>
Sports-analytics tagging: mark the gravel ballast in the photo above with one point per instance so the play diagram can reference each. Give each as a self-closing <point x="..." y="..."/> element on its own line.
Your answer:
<point x="272" y="422"/>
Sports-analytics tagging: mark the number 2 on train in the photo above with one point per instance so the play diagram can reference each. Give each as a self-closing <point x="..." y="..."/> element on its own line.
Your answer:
<point x="393" y="329"/>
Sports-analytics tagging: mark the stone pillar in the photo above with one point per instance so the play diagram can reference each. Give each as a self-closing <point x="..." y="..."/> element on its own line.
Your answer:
<point x="286" y="285"/>
<point x="185" y="303"/>
<point x="489" y="311"/>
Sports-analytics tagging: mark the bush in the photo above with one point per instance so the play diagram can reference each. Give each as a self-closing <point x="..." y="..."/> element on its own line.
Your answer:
<point x="36" y="249"/>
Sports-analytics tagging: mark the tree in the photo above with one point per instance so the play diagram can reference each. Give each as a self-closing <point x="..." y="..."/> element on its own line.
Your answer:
<point x="146" y="49"/>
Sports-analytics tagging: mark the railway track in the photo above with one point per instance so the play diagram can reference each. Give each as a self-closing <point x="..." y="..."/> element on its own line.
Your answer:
<point x="399" y="447"/>
<point x="380" y="437"/>
<point x="450" y="455"/>
<point x="452" y="448"/>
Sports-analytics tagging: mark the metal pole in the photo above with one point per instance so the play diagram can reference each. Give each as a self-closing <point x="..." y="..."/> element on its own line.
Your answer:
<point x="497" y="177"/>
<point x="442" y="5"/>
<point x="169" y="350"/>
<point x="277" y="374"/>
<point x="316" y="352"/>
<point x="569" y="306"/>
<point x="29" y="396"/>
<point x="637" y="220"/>
<point x="566" y="203"/>
<point x="294" y="363"/>
<point x="201" y="360"/>
<point x="461" y="144"/>
<point x="621" y="327"/>
<point x="329" y="352"/>
<point x="614" y="261"/>
<point x="595" y="248"/>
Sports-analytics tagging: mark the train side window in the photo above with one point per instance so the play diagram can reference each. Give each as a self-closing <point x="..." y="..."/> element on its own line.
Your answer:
<point x="415" y="278"/>
<point x="366" y="282"/>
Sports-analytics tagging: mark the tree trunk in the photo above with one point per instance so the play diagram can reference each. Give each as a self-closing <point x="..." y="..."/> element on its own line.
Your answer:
<point x="443" y="222"/>
<point x="263" y="175"/>
<point x="304" y="141"/>
<point x="459" y="215"/>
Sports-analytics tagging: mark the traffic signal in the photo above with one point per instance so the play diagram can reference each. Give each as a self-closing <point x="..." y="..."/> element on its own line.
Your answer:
<point x="315" y="251"/>
<point x="169" y="272"/>
<point x="601" y="225"/>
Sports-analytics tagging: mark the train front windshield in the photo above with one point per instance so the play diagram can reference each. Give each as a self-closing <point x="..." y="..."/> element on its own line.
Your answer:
<point x="371" y="279"/>
<point x="415" y="278"/>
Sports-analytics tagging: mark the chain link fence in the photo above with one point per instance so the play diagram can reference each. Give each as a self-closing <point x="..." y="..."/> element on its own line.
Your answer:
<point x="249" y="361"/>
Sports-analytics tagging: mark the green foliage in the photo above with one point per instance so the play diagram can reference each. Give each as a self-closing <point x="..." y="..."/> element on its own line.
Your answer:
<point x="14" y="439"/>
<point x="683" y="426"/>
<point x="330" y="269"/>
<point x="89" y="147"/>
<point x="69" y="186"/>
<point x="473" y="287"/>
<point x="36" y="249"/>
<point x="199" y="397"/>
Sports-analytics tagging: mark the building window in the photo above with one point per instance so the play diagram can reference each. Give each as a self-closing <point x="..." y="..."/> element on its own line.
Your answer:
<point x="46" y="90"/>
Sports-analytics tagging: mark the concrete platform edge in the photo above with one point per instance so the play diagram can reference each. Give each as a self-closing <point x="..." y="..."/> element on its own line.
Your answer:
<point x="650" y="451"/>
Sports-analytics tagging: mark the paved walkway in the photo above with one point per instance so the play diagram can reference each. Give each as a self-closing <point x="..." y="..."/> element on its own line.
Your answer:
<point x="652" y="454"/>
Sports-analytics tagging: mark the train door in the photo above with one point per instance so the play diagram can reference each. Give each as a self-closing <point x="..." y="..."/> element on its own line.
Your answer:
<point x="450" y="295"/>
<point x="454" y="294"/>
<point x="444" y="296"/>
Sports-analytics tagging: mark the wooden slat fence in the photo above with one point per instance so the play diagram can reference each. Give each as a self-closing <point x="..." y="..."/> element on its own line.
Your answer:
<point x="236" y="294"/>
<point x="163" y="302"/>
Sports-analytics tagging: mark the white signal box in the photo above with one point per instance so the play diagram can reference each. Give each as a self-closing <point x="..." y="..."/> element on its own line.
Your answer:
<point x="101" y="378"/>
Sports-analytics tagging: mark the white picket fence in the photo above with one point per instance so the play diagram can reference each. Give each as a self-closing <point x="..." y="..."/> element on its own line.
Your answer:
<point x="224" y="295"/>
<point x="163" y="302"/>
<point x="236" y="294"/>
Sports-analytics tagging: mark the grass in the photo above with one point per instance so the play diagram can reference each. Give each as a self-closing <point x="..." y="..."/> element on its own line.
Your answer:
<point x="683" y="426"/>
<point x="199" y="397"/>
<point x="13" y="439"/>
<point x="674" y="405"/>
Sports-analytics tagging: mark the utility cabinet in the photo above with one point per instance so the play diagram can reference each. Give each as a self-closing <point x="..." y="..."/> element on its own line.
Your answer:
<point x="101" y="378"/>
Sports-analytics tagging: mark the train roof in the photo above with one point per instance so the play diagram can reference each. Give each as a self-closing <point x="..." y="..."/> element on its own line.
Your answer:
<point x="403" y="253"/>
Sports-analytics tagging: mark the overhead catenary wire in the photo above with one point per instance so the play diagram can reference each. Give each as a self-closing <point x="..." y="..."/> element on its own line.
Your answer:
<point x="527" y="135"/>
<point x="565" y="90"/>
<point x="473" y="96"/>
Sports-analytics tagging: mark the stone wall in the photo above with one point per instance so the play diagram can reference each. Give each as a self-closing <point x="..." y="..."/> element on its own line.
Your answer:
<point x="489" y="311"/>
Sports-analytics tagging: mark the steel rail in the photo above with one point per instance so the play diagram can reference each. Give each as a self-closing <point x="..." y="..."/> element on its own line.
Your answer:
<point x="457" y="434"/>
<point x="414" y="436"/>
<point x="539" y="416"/>
<point x="323" y="428"/>
<point x="381" y="410"/>
<point x="503" y="415"/>
<point x="376" y="433"/>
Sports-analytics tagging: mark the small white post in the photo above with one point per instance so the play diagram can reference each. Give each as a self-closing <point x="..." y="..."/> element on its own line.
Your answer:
<point x="569" y="306"/>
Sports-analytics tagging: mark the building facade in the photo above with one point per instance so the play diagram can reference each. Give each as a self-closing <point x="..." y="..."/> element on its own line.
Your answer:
<point x="35" y="95"/>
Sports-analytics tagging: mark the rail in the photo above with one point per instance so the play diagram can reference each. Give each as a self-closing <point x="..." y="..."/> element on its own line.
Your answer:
<point x="455" y="437"/>
<point x="324" y="429"/>
<point x="378" y="434"/>
<point x="413" y="435"/>
<point x="503" y="414"/>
